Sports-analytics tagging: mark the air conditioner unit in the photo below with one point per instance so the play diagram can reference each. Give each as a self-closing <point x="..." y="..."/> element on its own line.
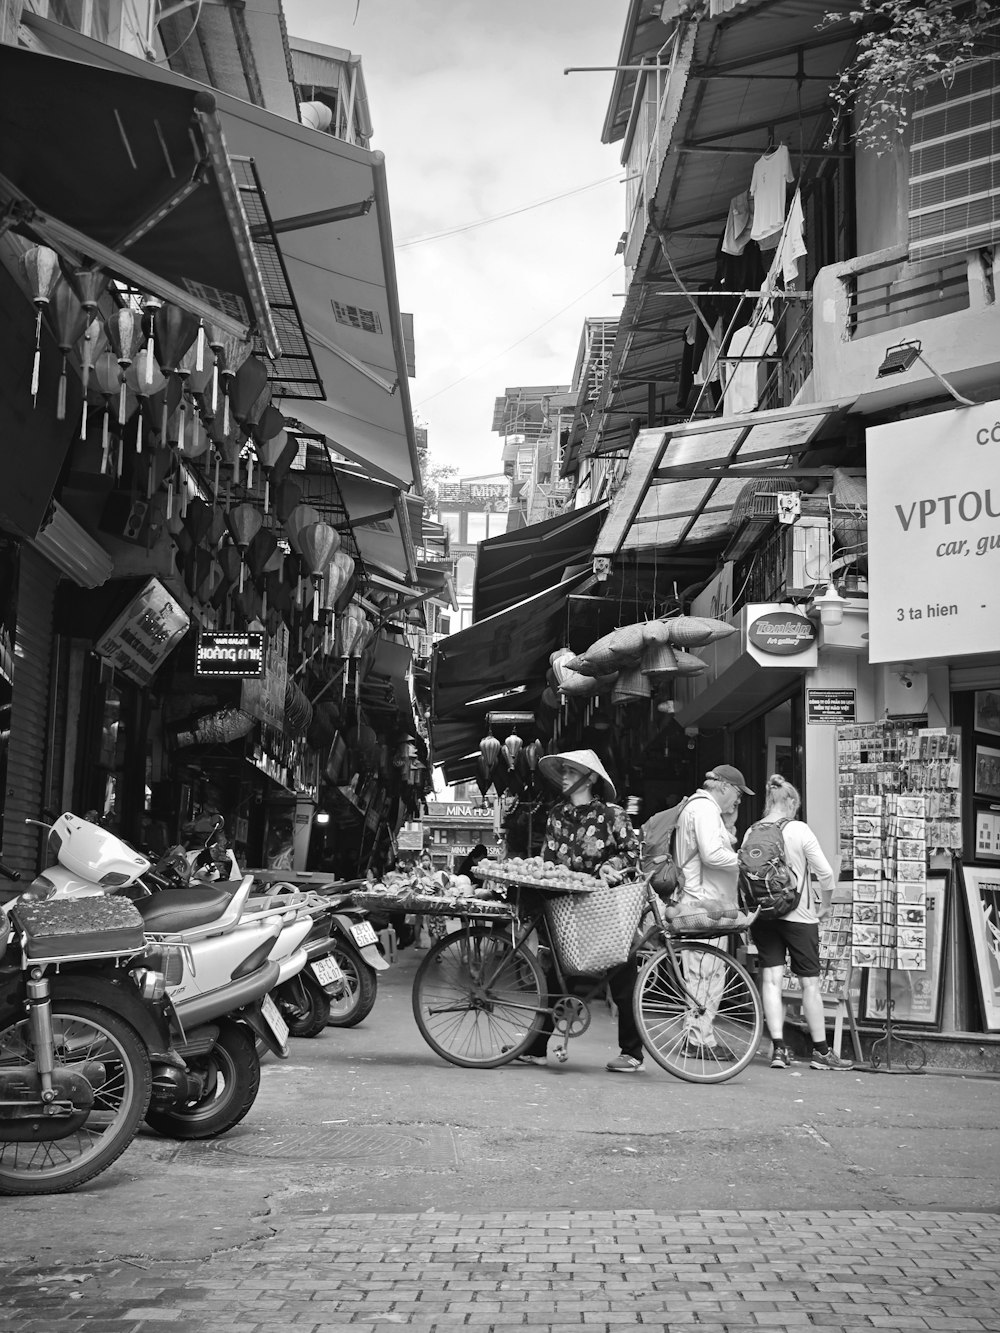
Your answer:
<point x="807" y="555"/>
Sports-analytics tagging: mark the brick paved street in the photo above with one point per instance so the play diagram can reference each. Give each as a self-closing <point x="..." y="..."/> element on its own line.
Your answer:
<point x="546" y="1271"/>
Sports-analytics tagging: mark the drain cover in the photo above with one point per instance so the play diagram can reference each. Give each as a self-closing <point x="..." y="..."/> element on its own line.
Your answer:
<point x="363" y="1145"/>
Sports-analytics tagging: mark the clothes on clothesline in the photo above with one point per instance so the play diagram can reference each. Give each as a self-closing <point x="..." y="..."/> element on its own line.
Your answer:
<point x="772" y="173"/>
<point x="744" y="377"/>
<point x="791" y="243"/>
<point x="739" y="224"/>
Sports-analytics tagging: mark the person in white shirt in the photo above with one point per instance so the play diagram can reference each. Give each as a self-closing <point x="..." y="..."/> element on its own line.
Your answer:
<point x="796" y="933"/>
<point x="705" y="856"/>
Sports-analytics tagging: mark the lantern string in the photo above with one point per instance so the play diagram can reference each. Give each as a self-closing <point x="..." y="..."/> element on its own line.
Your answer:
<point x="61" y="398"/>
<point x="37" y="363"/>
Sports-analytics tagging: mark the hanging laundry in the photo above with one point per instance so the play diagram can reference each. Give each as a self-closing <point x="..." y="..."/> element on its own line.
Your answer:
<point x="792" y="243"/>
<point x="744" y="379"/>
<point x="772" y="173"/>
<point x="738" y="224"/>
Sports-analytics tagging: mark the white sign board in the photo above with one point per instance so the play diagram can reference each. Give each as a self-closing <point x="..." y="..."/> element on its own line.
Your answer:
<point x="149" y="628"/>
<point x="934" y="535"/>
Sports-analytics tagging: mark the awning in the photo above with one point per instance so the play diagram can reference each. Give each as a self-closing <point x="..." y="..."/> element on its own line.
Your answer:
<point x="380" y="523"/>
<point x="133" y="175"/>
<point x="733" y="84"/>
<point x="681" y="483"/>
<point x="385" y="693"/>
<point x="497" y="663"/>
<point x="519" y="564"/>
<point x="329" y="208"/>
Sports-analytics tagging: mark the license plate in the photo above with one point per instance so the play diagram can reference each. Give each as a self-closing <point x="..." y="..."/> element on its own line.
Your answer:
<point x="364" y="933"/>
<point x="272" y="1017"/>
<point x="326" y="971"/>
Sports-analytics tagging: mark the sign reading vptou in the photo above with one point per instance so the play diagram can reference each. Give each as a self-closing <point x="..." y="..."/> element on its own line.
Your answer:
<point x="934" y="535"/>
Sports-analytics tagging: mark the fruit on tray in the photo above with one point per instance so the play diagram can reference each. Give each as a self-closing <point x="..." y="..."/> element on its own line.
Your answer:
<point x="533" y="870"/>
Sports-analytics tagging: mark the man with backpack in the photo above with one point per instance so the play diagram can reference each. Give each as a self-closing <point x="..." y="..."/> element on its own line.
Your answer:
<point x="778" y="875"/>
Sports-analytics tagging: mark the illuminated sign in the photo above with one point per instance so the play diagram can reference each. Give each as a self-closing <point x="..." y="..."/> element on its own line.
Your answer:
<point x="230" y="654"/>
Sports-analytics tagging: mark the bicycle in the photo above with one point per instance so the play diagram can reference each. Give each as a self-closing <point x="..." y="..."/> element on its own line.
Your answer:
<point x="480" y="997"/>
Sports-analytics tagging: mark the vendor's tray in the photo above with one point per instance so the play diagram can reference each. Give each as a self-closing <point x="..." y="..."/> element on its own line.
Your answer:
<point x="505" y="873"/>
<point x="431" y="905"/>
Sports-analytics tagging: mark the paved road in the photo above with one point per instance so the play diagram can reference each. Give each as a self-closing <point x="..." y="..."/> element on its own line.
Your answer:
<point x="374" y="1186"/>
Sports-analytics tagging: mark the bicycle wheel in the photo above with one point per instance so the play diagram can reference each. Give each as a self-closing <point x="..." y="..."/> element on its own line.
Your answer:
<point x="698" y="1012"/>
<point x="478" y="1000"/>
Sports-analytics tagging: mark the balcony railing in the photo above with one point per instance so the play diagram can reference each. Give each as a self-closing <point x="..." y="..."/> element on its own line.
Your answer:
<point x="890" y="295"/>
<point x="829" y="543"/>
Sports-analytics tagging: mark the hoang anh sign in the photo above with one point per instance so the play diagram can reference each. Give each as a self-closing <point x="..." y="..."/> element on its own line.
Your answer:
<point x="230" y="654"/>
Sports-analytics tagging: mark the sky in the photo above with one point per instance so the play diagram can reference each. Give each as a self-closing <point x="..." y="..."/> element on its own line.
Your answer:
<point x="470" y="106"/>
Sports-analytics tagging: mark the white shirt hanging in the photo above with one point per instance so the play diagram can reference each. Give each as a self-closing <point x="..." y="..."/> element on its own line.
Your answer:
<point x="744" y="379"/>
<point x="792" y="244"/>
<point x="772" y="173"/>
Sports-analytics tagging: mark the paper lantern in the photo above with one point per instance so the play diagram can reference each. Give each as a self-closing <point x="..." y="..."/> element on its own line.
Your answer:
<point x="262" y="547"/>
<point x="339" y="573"/>
<point x="318" y="543"/>
<point x="301" y="517"/>
<point x="489" y="748"/>
<point x="231" y="563"/>
<point x="249" y="391"/>
<point x="145" y="379"/>
<point x="273" y="453"/>
<point x="244" y="522"/>
<point x="230" y="352"/>
<point x="124" y="329"/>
<point x="511" y="749"/>
<point x="41" y="268"/>
<point x="107" y="376"/>
<point x="69" y="322"/>
<point x="287" y="495"/>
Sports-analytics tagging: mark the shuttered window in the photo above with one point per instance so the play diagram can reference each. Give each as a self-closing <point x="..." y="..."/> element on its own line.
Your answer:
<point x="955" y="164"/>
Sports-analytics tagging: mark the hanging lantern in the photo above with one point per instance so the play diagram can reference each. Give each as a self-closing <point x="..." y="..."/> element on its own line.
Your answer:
<point x="145" y="379"/>
<point x="511" y="749"/>
<point x="107" y="376"/>
<point x="352" y="631"/>
<point x="260" y="552"/>
<point x="124" y="329"/>
<point x="271" y="453"/>
<point x="41" y="268"/>
<point x="287" y="496"/>
<point x="209" y="585"/>
<point x="89" y="347"/>
<point x="339" y="573"/>
<point x="301" y="517"/>
<point x="244" y="522"/>
<point x="230" y="352"/>
<point x="483" y="779"/>
<point x="318" y="542"/>
<point x="489" y="748"/>
<point x="198" y="521"/>
<point x="69" y="320"/>
<point x="249" y="391"/>
<point x="196" y="367"/>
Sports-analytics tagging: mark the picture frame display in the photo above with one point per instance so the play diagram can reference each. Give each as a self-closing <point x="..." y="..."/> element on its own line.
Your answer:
<point x="987" y="712"/>
<point x="917" y="995"/>
<point x="987" y="782"/>
<point x="982" y="898"/>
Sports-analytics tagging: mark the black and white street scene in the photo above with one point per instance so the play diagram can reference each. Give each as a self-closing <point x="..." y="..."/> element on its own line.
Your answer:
<point x="499" y="740"/>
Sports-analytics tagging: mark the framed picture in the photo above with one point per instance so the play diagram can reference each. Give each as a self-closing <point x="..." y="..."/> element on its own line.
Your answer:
<point x="987" y="835"/>
<point x="987" y="771"/>
<point x="987" y="712"/>
<point x="916" y="995"/>
<point x="982" y="897"/>
<point x="779" y="756"/>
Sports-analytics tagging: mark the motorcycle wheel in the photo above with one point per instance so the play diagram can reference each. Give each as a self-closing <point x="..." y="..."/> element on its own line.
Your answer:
<point x="84" y="1034"/>
<point x="304" y="1005"/>
<point x="362" y="988"/>
<point x="233" y="1071"/>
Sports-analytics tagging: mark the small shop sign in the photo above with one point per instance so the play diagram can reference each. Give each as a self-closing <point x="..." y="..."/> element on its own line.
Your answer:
<point x="238" y="655"/>
<point x="146" y="632"/>
<point x="780" y="637"/>
<point x="831" y="705"/>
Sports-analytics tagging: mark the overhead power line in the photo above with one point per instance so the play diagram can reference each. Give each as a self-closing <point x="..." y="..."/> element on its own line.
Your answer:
<point x="498" y="217"/>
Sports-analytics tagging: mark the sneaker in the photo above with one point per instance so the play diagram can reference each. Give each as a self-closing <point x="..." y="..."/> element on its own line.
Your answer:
<point x="624" y="1064"/>
<point x="780" y="1059"/>
<point x="829" y="1061"/>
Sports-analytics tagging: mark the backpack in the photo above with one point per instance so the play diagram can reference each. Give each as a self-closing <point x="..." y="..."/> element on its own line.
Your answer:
<point x="767" y="883"/>
<point x="665" y="875"/>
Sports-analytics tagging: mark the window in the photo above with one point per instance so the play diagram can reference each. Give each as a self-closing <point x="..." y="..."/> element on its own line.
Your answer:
<point x="465" y="575"/>
<point x="497" y="523"/>
<point x="475" y="528"/>
<point x="452" y="524"/>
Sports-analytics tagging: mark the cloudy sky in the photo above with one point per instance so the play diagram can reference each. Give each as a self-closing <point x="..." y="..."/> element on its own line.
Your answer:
<point x="470" y="105"/>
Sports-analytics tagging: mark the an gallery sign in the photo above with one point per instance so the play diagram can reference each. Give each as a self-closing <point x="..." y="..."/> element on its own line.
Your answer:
<point x="230" y="654"/>
<point x="934" y="535"/>
<point x="778" y="636"/>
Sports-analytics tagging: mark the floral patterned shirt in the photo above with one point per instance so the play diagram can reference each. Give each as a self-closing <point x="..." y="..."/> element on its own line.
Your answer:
<point x="584" y="837"/>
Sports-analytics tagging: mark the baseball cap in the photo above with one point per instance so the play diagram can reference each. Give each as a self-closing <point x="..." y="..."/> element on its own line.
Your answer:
<point x="726" y="773"/>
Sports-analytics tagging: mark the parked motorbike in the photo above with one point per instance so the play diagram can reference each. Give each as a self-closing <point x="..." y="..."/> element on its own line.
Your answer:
<point x="83" y="1022"/>
<point x="355" y="948"/>
<point x="220" y="961"/>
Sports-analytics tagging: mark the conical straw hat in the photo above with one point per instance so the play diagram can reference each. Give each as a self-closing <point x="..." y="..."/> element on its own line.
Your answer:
<point x="584" y="761"/>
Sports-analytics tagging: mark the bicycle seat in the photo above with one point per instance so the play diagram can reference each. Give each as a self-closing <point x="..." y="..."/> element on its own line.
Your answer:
<point x="180" y="909"/>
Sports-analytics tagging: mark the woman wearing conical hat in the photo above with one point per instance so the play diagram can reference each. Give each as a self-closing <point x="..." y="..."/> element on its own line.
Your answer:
<point x="588" y="832"/>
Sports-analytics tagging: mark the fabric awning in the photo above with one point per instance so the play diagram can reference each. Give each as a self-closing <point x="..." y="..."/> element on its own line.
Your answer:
<point x="496" y="663"/>
<point x="329" y="208"/>
<point x="519" y="564"/>
<point x="681" y="483"/>
<point x="126" y="171"/>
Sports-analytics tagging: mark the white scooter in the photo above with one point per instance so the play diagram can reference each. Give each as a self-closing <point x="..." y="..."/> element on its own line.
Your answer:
<point x="220" y="961"/>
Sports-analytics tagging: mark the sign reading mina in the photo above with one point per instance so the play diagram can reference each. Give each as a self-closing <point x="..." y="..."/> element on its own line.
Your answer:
<point x="779" y="632"/>
<point x="230" y="654"/>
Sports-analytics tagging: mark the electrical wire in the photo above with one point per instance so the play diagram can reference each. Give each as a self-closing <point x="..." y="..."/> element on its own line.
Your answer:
<point x="498" y="217"/>
<point x="468" y="375"/>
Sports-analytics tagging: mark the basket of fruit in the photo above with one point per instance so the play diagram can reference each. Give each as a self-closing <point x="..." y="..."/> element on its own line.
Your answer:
<point x="593" y="932"/>
<point x="536" y="874"/>
<point x="706" y="918"/>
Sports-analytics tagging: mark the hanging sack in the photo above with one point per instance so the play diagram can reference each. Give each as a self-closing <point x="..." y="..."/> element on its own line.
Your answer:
<point x="767" y="882"/>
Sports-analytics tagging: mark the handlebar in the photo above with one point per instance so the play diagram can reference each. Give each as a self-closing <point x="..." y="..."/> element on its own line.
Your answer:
<point x="9" y="871"/>
<point x="40" y="823"/>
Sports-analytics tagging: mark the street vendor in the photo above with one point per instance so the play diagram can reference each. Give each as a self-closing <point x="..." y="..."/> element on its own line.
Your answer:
<point x="587" y="831"/>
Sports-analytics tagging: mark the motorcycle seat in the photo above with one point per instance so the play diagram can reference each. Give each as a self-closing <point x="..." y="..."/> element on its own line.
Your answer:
<point x="180" y="909"/>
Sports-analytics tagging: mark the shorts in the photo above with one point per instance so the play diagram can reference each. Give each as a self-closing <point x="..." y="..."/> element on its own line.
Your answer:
<point x="799" y="938"/>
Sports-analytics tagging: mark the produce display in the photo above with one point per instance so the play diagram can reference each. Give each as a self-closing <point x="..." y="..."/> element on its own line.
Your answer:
<point x="402" y="891"/>
<point x="703" y="915"/>
<point x="539" y="874"/>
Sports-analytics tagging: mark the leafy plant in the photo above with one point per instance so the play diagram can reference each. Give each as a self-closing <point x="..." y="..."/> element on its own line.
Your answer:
<point x="902" y="45"/>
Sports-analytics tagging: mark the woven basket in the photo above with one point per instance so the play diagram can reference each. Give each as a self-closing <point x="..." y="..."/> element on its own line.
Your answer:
<point x="594" y="931"/>
<point x="697" y="923"/>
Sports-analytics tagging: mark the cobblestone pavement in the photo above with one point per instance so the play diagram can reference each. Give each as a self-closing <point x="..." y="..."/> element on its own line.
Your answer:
<point x="548" y="1271"/>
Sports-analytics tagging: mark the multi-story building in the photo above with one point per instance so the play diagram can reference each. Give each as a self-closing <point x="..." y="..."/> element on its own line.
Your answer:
<point x="470" y="510"/>
<point x="451" y="829"/>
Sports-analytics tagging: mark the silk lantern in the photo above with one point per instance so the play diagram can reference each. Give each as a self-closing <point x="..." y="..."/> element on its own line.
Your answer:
<point x="41" y="268"/>
<point x="69" y="320"/>
<point x="318" y="543"/>
<point x="244" y="522"/>
<point x="124" y="329"/>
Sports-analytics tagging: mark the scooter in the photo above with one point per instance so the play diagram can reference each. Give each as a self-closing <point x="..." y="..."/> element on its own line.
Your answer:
<point x="82" y="1016"/>
<point x="220" y="962"/>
